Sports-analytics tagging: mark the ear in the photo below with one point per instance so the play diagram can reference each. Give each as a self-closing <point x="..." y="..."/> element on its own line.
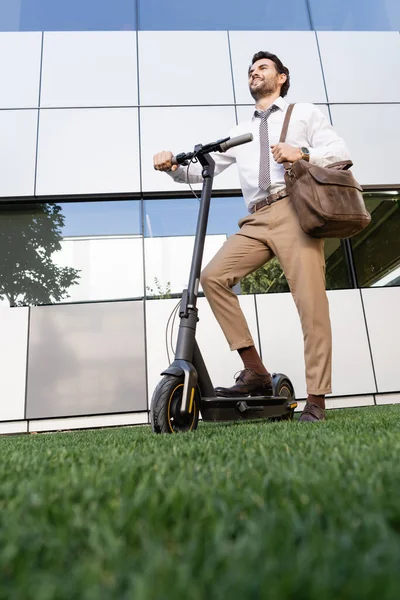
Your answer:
<point x="282" y="78"/>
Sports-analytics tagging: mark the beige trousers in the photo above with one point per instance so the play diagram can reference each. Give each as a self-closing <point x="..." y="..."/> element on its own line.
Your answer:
<point x="275" y="231"/>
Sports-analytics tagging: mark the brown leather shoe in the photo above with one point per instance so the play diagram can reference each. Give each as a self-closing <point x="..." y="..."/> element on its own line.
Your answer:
<point x="248" y="383"/>
<point x="312" y="413"/>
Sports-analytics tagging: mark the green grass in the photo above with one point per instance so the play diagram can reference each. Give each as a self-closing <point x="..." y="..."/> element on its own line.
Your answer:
<point x="243" y="511"/>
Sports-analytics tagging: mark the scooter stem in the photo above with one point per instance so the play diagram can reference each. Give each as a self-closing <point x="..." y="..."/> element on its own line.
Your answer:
<point x="208" y="164"/>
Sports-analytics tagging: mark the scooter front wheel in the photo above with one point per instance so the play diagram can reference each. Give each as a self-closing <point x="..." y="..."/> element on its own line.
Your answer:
<point x="165" y="411"/>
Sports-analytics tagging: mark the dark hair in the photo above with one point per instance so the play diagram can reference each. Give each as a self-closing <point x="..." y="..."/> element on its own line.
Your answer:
<point x="280" y="67"/>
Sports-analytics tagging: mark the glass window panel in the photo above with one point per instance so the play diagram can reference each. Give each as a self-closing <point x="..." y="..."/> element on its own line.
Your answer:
<point x="67" y="15"/>
<point x="376" y="250"/>
<point x="355" y="15"/>
<point x="172" y="225"/>
<point x="337" y="272"/>
<point x="179" y="217"/>
<point x="223" y="14"/>
<point x="70" y="252"/>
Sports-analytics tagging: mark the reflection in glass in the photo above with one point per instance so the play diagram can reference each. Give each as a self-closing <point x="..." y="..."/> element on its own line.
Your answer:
<point x="71" y="252"/>
<point x="337" y="272"/>
<point x="179" y="217"/>
<point x="355" y="15"/>
<point x="267" y="279"/>
<point x="67" y="15"/>
<point x="270" y="278"/>
<point x="376" y="250"/>
<point x="222" y="15"/>
<point x="28" y="240"/>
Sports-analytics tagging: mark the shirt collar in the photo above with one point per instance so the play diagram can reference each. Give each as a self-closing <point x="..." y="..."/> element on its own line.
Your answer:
<point x="279" y="102"/>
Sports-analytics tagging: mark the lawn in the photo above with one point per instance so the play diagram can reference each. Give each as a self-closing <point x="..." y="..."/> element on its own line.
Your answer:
<point x="242" y="511"/>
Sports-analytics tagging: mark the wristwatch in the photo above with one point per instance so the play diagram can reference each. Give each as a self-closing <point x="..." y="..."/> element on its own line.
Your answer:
<point x="305" y="154"/>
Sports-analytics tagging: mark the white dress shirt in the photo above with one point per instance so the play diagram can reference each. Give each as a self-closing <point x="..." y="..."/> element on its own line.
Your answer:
<point x="308" y="128"/>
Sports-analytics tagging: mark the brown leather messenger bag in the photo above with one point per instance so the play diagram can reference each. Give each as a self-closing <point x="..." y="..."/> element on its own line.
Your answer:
<point x="328" y="200"/>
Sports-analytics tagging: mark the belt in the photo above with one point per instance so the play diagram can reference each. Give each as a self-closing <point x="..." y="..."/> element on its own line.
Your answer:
<point x="269" y="200"/>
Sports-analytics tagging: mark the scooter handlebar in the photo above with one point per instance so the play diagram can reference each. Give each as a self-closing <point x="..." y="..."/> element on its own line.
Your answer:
<point x="245" y="138"/>
<point x="221" y="146"/>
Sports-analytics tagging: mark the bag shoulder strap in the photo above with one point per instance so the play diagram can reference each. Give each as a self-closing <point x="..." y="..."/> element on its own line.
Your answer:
<point x="285" y="126"/>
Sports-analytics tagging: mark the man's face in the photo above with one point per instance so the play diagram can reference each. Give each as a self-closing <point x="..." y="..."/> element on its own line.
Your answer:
<point x="264" y="79"/>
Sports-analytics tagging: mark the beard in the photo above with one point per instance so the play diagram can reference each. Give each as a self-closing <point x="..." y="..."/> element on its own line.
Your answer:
<point x="268" y="87"/>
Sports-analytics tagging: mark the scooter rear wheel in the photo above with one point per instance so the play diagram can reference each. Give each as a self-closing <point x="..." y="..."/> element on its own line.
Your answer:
<point x="165" y="415"/>
<point x="282" y="386"/>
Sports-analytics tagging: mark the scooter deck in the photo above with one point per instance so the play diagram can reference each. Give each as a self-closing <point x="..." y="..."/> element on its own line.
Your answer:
<point x="245" y="408"/>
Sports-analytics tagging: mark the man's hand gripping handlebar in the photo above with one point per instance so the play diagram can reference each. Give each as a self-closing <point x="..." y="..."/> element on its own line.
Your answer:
<point x="166" y="161"/>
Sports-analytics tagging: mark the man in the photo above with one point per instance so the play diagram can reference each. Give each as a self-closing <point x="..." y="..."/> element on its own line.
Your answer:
<point x="272" y="229"/>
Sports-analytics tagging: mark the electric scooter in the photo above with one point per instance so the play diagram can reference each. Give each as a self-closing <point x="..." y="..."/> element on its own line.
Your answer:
<point x="186" y="389"/>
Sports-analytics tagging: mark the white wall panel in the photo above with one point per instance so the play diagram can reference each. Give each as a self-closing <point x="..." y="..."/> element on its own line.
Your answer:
<point x="281" y="338"/>
<point x="352" y="371"/>
<point x="13" y="352"/>
<point x="387" y="398"/>
<point x="179" y="129"/>
<point x="20" y="69"/>
<point x="371" y="132"/>
<point x="361" y="66"/>
<point x="221" y="362"/>
<point x="383" y="321"/>
<point x="349" y="402"/>
<point x="88" y="151"/>
<point x="282" y="342"/>
<point x="89" y="68"/>
<point x="197" y="78"/>
<point x="125" y="419"/>
<point x="17" y="152"/>
<point x="13" y="427"/>
<point x="296" y="49"/>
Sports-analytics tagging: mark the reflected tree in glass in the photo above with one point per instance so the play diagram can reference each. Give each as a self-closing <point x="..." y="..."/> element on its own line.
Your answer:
<point x="267" y="279"/>
<point x="29" y="235"/>
<point x="160" y="292"/>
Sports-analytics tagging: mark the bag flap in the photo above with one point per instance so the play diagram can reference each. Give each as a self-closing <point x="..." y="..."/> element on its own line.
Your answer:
<point x="334" y="177"/>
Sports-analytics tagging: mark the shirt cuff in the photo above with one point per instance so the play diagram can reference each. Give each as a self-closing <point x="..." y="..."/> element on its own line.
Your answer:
<point x="178" y="174"/>
<point x="316" y="158"/>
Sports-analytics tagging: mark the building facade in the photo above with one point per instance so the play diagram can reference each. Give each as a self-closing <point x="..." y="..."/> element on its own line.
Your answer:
<point x="96" y="245"/>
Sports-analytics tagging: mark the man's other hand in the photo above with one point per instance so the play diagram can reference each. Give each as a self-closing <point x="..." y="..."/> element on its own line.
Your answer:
<point x="162" y="161"/>
<point x="285" y="153"/>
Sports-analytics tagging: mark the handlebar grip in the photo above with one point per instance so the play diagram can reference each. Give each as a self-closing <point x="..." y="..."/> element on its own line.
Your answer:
<point x="174" y="161"/>
<point x="236" y="141"/>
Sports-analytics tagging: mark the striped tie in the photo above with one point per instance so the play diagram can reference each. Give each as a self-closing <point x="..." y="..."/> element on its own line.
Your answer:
<point x="264" y="175"/>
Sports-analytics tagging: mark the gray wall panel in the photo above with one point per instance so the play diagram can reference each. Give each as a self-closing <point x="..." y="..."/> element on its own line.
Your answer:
<point x="178" y="129"/>
<point x="20" y="69"/>
<point x="86" y="359"/>
<point x="88" y="151"/>
<point x="182" y="78"/>
<point x="297" y="50"/>
<point x="371" y="132"/>
<point x="89" y="68"/>
<point x="361" y="66"/>
<point x="17" y="152"/>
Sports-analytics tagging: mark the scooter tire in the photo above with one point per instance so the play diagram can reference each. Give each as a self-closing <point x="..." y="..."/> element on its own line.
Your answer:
<point x="282" y="386"/>
<point x="165" y="416"/>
